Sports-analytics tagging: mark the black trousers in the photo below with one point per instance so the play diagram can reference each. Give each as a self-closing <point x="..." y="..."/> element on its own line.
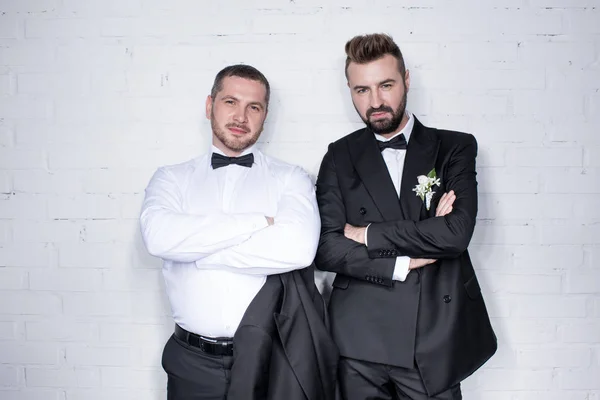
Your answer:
<point x="193" y="374"/>
<point x="362" y="380"/>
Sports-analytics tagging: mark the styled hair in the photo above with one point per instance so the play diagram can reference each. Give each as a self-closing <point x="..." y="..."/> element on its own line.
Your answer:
<point x="364" y="49"/>
<point x="241" y="71"/>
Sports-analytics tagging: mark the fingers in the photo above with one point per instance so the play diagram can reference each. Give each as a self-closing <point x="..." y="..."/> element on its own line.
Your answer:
<point x="420" y="262"/>
<point x="445" y="205"/>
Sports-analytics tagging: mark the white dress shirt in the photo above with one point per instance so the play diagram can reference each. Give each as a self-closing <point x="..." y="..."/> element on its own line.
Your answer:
<point x="209" y="227"/>
<point x="394" y="160"/>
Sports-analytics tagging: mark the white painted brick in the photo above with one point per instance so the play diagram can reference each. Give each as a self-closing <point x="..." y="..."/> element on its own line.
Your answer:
<point x="490" y="130"/>
<point x="546" y="157"/>
<point x="100" y="356"/>
<point x="103" y="394"/>
<point x="312" y="20"/>
<point x="592" y="256"/>
<point x="96" y="304"/>
<point x="135" y="333"/>
<point x="106" y="82"/>
<point x="535" y="331"/>
<point x="61" y="28"/>
<point x="151" y="305"/>
<point x="85" y="206"/>
<point x="63" y="377"/>
<point x="585" y="81"/>
<point x="491" y="156"/>
<point x="498" y="307"/>
<point x="133" y="280"/>
<point x="32" y="394"/>
<point x="523" y="206"/>
<point x="29" y="303"/>
<point x="512" y="379"/>
<point x="554" y="358"/>
<point x="583" y="282"/>
<point x="41" y="181"/>
<point x="591" y="156"/>
<point x="56" y="85"/>
<point x="549" y="307"/>
<point x="104" y="8"/>
<point x="21" y="159"/>
<point x="131" y="204"/>
<point x="5" y="81"/>
<point x="468" y="104"/>
<point x="94" y="255"/>
<point x="583" y="21"/>
<point x="566" y="232"/>
<point x="5" y="232"/>
<point x="90" y="56"/>
<point x="491" y="256"/>
<point x="30" y="55"/>
<point x="9" y="376"/>
<point x="7" y="330"/>
<point x="579" y="379"/>
<point x="548" y="257"/>
<point x="7" y="136"/>
<point x="136" y="378"/>
<point x="6" y="185"/>
<point x="20" y="107"/>
<point x="462" y="79"/>
<point x="103" y="231"/>
<point x="545" y="104"/>
<point x="504" y="283"/>
<point x="62" y="330"/>
<point x="9" y="27"/>
<point x="586" y="206"/>
<point x="12" y="279"/>
<point x="29" y="353"/>
<point x="548" y="395"/>
<point x="570" y="180"/>
<point x="27" y="255"/>
<point x="116" y="181"/>
<point x="46" y="232"/>
<point x="562" y="3"/>
<point x="556" y="54"/>
<point x="478" y="55"/>
<point x="579" y="332"/>
<point x="509" y="234"/>
<point x="71" y="280"/>
<point x="508" y="180"/>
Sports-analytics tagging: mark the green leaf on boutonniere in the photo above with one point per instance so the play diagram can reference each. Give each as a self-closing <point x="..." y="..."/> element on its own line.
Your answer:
<point x="431" y="174"/>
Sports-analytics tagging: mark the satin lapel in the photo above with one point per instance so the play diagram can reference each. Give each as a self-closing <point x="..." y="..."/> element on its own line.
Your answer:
<point x="421" y="154"/>
<point x="374" y="174"/>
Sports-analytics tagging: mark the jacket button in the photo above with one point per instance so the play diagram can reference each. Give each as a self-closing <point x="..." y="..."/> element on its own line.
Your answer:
<point x="381" y="253"/>
<point x="447" y="299"/>
<point x="362" y="211"/>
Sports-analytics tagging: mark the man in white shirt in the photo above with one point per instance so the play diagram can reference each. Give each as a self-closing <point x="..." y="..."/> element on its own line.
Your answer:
<point x="406" y="308"/>
<point x="222" y="223"/>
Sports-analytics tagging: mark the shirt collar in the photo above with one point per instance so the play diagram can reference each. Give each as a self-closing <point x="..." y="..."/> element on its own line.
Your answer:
<point x="407" y="130"/>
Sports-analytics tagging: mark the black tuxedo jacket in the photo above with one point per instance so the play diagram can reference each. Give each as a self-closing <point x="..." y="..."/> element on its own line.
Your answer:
<point x="437" y="317"/>
<point x="283" y="348"/>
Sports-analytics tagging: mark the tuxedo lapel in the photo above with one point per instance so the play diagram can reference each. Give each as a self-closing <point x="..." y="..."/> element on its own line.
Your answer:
<point x="374" y="174"/>
<point x="421" y="154"/>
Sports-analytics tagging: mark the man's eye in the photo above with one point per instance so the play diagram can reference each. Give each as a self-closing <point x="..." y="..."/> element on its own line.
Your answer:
<point x="386" y="86"/>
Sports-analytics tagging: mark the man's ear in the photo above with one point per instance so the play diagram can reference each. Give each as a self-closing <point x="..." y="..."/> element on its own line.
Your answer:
<point x="209" y="105"/>
<point x="407" y="80"/>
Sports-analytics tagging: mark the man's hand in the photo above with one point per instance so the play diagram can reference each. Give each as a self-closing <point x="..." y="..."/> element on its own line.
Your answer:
<point x="355" y="233"/>
<point x="270" y="220"/>
<point x="444" y="208"/>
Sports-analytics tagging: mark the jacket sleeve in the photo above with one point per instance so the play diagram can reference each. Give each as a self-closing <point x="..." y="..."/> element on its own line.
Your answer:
<point x="437" y="237"/>
<point x="336" y="253"/>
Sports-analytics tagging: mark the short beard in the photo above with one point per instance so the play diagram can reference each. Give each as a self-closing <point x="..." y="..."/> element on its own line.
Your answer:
<point x="234" y="144"/>
<point x="386" y="126"/>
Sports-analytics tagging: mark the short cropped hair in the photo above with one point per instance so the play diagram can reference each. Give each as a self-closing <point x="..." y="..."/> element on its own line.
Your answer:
<point x="364" y="49"/>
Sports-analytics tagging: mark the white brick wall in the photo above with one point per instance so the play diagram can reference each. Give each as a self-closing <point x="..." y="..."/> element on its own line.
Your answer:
<point x="94" y="95"/>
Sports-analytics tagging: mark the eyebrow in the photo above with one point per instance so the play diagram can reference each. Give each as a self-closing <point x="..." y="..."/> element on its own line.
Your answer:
<point x="379" y="84"/>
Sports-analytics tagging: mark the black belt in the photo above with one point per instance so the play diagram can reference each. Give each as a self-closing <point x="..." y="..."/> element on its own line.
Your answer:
<point x="215" y="347"/>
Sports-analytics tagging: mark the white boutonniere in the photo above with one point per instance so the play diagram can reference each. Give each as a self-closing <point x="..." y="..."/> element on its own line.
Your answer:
<point x="425" y="186"/>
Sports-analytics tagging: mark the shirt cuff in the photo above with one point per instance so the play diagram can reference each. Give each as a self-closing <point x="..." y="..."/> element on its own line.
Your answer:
<point x="367" y="231"/>
<point x="401" y="268"/>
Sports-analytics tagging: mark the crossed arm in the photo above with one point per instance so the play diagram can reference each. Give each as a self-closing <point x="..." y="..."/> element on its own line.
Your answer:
<point x="342" y="249"/>
<point x="249" y="243"/>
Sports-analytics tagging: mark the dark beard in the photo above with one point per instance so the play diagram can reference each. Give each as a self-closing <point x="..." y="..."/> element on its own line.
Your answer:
<point x="234" y="145"/>
<point x="386" y="126"/>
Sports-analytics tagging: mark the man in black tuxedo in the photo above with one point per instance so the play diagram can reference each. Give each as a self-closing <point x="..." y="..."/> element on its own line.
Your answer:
<point x="398" y="203"/>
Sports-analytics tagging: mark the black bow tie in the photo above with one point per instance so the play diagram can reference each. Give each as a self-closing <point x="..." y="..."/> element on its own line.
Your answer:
<point x="218" y="161"/>
<point x="398" y="143"/>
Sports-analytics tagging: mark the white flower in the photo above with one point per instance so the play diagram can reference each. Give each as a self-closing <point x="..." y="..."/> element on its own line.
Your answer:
<point x="425" y="186"/>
